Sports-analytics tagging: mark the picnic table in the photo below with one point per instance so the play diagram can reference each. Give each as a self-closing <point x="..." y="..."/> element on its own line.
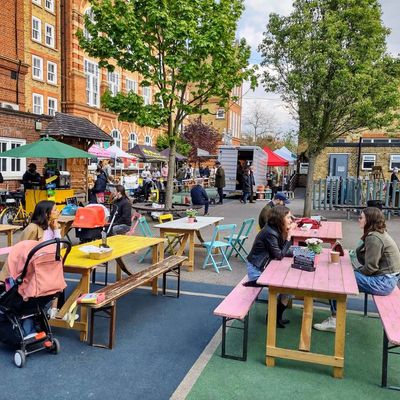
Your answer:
<point x="328" y="232"/>
<point x="328" y="281"/>
<point x="189" y="230"/>
<point x="65" y="222"/>
<point x="78" y="262"/>
<point x="9" y="231"/>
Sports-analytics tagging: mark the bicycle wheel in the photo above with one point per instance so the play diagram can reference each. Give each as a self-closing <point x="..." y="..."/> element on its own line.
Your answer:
<point x="9" y="216"/>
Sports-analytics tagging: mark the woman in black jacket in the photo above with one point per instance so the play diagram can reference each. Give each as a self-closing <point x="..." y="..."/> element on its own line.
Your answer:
<point x="99" y="187"/>
<point x="246" y="186"/>
<point x="123" y="210"/>
<point x="271" y="243"/>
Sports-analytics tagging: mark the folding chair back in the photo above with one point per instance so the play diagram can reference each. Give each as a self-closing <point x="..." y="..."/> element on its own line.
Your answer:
<point x="145" y="231"/>
<point x="165" y="218"/>
<point x="174" y="239"/>
<point x="221" y="245"/>
<point x="134" y="224"/>
<point x="240" y="238"/>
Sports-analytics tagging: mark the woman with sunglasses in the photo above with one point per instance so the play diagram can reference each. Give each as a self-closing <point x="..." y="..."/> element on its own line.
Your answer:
<point x="272" y="243"/>
<point x="379" y="258"/>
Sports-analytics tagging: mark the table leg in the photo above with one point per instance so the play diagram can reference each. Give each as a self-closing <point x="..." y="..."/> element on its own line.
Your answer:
<point x="306" y="325"/>
<point x="84" y="310"/>
<point x="340" y="336"/>
<point x="157" y="255"/>
<point x="271" y="326"/>
<point x="10" y="238"/>
<point x="191" y="252"/>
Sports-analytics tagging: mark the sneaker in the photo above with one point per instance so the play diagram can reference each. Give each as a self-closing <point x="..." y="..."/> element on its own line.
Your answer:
<point x="52" y="312"/>
<point x="329" y="325"/>
<point x="68" y="317"/>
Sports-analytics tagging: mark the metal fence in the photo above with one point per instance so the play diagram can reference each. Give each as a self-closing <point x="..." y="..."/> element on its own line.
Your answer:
<point x="330" y="192"/>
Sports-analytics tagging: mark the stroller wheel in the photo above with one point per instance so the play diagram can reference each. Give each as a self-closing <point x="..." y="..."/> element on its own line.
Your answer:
<point x="56" y="347"/>
<point x="19" y="358"/>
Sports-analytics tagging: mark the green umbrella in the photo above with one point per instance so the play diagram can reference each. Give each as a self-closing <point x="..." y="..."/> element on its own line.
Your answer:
<point x="46" y="147"/>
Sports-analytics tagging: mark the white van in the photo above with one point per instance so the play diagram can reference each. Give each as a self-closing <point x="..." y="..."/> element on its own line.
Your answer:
<point x="248" y="155"/>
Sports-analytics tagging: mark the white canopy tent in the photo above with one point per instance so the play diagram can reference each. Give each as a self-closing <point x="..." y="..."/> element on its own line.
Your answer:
<point x="285" y="155"/>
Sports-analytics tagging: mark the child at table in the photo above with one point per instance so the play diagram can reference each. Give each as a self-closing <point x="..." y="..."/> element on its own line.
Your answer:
<point x="379" y="260"/>
<point x="272" y="243"/>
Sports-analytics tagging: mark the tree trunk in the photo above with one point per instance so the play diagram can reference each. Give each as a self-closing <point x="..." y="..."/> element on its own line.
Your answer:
<point x="171" y="171"/>
<point x="309" y="186"/>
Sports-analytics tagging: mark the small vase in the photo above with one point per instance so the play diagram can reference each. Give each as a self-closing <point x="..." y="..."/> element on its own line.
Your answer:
<point x="191" y="220"/>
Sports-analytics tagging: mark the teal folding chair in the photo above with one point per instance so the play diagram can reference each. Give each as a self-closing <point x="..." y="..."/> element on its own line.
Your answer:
<point x="222" y="246"/>
<point x="239" y="239"/>
<point x="145" y="231"/>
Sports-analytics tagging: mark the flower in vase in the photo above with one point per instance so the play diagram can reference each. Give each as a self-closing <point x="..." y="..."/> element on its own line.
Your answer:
<point x="314" y="245"/>
<point x="191" y="213"/>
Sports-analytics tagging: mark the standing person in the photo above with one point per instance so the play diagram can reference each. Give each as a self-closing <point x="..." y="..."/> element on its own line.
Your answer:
<point x="180" y="176"/>
<point x="200" y="197"/>
<point x="206" y="172"/>
<point x="146" y="182"/>
<point x="246" y="186"/>
<point x="107" y="168"/>
<point x="393" y="179"/>
<point x="189" y="172"/>
<point x="97" y="193"/>
<point x="201" y="171"/>
<point x="164" y="174"/>
<point x="220" y="181"/>
<point x="31" y="177"/>
<point x="252" y="184"/>
<point x="123" y="208"/>
<point x="239" y="175"/>
<point x="379" y="258"/>
<point x="271" y="243"/>
<point x="279" y="200"/>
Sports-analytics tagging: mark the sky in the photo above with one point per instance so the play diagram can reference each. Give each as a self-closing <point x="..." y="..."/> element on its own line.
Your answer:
<point x="253" y="24"/>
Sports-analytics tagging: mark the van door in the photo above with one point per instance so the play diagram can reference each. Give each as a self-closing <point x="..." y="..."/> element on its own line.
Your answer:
<point x="228" y="158"/>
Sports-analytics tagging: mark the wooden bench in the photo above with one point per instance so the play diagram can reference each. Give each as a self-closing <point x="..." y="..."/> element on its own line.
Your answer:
<point x="389" y="311"/>
<point x="236" y="306"/>
<point x="169" y="266"/>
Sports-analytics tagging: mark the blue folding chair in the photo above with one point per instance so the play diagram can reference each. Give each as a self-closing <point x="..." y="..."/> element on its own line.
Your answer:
<point x="239" y="239"/>
<point x="145" y="231"/>
<point x="222" y="246"/>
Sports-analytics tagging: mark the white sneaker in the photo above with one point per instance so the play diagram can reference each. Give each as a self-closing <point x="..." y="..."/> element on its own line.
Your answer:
<point x="52" y="312"/>
<point x="69" y="316"/>
<point x="329" y="325"/>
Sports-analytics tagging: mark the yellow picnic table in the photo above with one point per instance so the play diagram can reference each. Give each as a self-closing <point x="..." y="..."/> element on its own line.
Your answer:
<point x="78" y="262"/>
<point x="9" y="231"/>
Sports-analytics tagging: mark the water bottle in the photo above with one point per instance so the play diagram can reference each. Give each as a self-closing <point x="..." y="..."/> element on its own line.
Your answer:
<point x="104" y="238"/>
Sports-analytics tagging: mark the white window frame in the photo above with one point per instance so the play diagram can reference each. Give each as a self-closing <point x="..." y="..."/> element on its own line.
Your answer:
<point x="148" y="140"/>
<point x="134" y="85"/>
<point x="54" y="73"/>
<point x="113" y="82"/>
<point x="8" y="164"/>
<point x="52" y="36"/>
<point x="393" y="160"/>
<point x="372" y="157"/>
<point x="133" y="142"/>
<point x="55" y="108"/>
<point x="40" y="68"/>
<point x="146" y="94"/>
<point x="89" y="13"/>
<point x="116" y="135"/>
<point x="220" y="114"/>
<point x="51" y="5"/>
<point x="38" y="96"/>
<point x="39" y="30"/>
<point x="38" y="2"/>
<point x="92" y="83"/>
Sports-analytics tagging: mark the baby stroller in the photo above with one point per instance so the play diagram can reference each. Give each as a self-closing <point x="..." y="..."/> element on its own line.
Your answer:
<point x="89" y="222"/>
<point x="35" y="280"/>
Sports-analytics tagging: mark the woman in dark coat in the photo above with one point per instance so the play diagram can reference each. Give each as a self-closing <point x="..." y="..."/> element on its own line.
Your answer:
<point x="99" y="186"/>
<point x="272" y="243"/>
<point x="246" y="186"/>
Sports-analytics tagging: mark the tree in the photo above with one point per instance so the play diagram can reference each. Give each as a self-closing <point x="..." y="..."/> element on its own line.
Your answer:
<point x="258" y="122"/>
<point x="328" y="61"/>
<point x="201" y="136"/>
<point x="186" y="50"/>
<point x="265" y="141"/>
<point x="182" y="147"/>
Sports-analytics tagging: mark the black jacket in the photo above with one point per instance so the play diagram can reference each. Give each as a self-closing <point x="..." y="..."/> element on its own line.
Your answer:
<point x="268" y="245"/>
<point x="199" y="195"/>
<point x="29" y="178"/>
<point x="246" y="185"/>
<point x="123" y="205"/>
<point x="101" y="183"/>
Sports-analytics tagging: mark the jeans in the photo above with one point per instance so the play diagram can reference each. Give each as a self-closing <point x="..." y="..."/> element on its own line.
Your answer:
<point x="220" y="194"/>
<point x="120" y="229"/>
<point x="206" y="203"/>
<point x="245" y="196"/>
<point x="380" y="285"/>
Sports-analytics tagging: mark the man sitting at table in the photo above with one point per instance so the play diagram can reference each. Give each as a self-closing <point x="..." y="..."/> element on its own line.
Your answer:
<point x="279" y="200"/>
<point x="199" y="197"/>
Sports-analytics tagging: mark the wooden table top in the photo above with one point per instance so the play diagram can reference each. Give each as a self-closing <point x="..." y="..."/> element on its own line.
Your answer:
<point x="122" y="245"/>
<point x="184" y="225"/>
<point x="7" y="228"/>
<point x="328" y="230"/>
<point x="66" y="218"/>
<point x="327" y="278"/>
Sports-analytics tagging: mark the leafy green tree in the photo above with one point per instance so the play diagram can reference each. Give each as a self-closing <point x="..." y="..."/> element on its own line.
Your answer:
<point x="186" y="50"/>
<point x="329" y="62"/>
<point x="182" y="147"/>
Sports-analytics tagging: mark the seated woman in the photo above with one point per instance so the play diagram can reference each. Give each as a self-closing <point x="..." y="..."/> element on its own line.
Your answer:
<point x="379" y="258"/>
<point x="123" y="210"/>
<point x="271" y="243"/>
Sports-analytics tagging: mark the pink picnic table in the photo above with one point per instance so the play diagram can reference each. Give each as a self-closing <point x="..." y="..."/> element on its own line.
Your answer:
<point x="328" y="281"/>
<point x="328" y="232"/>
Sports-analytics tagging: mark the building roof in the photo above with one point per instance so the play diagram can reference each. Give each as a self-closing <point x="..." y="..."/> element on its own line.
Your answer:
<point x="73" y="126"/>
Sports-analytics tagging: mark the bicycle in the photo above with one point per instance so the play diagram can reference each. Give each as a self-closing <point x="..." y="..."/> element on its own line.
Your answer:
<point x="14" y="212"/>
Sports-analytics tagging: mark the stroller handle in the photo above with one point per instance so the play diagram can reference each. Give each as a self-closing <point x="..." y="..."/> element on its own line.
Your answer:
<point x="40" y="246"/>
